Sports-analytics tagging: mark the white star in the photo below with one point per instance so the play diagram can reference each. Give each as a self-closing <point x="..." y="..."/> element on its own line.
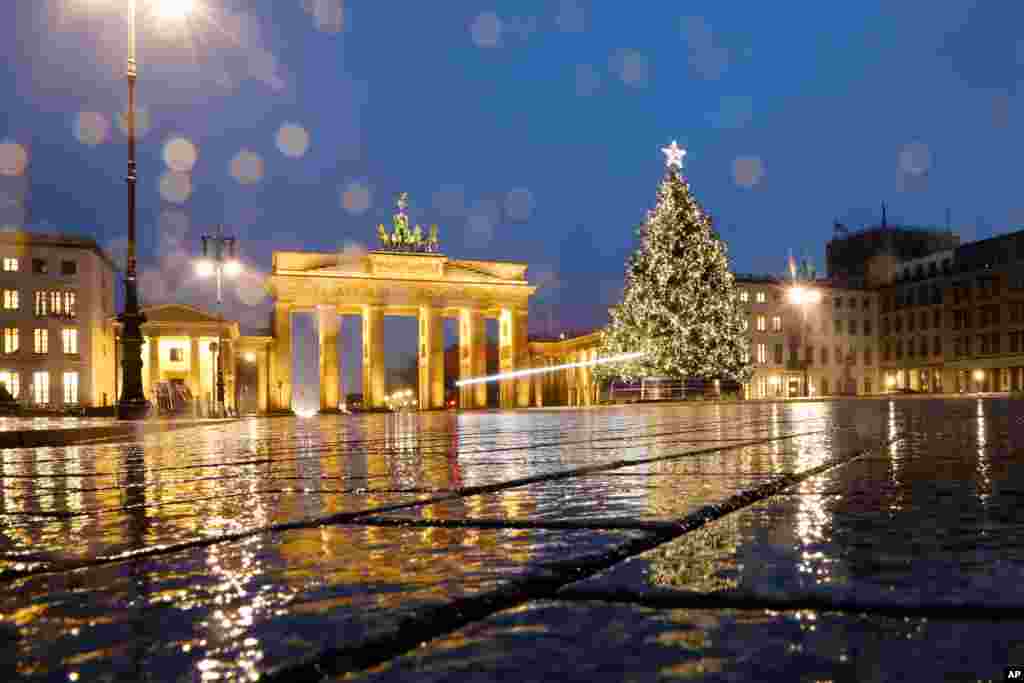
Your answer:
<point x="673" y="155"/>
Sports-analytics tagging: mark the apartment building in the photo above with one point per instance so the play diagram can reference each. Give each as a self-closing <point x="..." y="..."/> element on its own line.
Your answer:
<point x="809" y="339"/>
<point x="958" y="327"/>
<point x="56" y="293"/>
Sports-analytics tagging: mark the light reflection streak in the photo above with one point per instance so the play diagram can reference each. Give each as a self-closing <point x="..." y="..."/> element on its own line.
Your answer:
<point x="984" y="464"/>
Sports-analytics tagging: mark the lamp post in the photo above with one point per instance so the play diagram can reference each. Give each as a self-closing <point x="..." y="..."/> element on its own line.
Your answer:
<point x="132" y="404"/>
<point x="802" y="297"/>
<point x="219" y="258"/>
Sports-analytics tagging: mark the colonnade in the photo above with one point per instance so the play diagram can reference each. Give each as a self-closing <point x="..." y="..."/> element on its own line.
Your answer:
<point x="513" y="355"/>
<point x="575" y="386"/>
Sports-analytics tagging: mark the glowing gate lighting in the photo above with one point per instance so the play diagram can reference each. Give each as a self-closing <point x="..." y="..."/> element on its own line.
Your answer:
<point x="536" y="371"/>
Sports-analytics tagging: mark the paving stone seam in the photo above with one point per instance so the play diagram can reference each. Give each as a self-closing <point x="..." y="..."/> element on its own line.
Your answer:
<point x="436" y="621"/>
<point x="348" y="517"/>
<point x="682" y="599"/>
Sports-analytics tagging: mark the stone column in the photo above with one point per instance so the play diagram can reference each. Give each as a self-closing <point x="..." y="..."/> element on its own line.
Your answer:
<point x="230" y="372"/>
<point x="328" y="327"/>
<point x="373" y="356"/>
<point x="522" y="358"/>
<point x="431" y="358"/>
<point x="281" y="368"/>
<point x="472" y="357"/>
<point x="506" y="357"/>
<point x="538" y="383"/>
<point x="193" y="369"/>
<point x="262" y="380"/>
<point x="154" y="366"/>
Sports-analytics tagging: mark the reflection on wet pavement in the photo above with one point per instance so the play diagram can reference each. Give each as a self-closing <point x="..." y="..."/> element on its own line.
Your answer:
<point x="264" y="542"/>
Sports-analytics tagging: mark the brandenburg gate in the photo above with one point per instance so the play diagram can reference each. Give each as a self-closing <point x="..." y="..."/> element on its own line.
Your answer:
<point x="424" y="284"/>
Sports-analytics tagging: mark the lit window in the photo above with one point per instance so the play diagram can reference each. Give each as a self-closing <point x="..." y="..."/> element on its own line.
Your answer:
<point x="776" y="323"/>
<point x="70" y="387"/>
<point x="56" y="305"/>
<point x="761" y="323"/>
<point x="68" y="267"/>
<point x="41" y="387"/>
<point x="760" y="297"/>
<point x="762" y="353"/>
<point x="69" y="339"/>
<point x="41" y="340"/>
<point x="10" y="339"/>
<point x="10" y="265"/>
<point x="69" y="304"/>
<point x="12" y="381"/>
<point x="744" y="297"/>
<point x="11" y="299"/>
<point x="42" y="307"/>
<point x="177" y="355"/>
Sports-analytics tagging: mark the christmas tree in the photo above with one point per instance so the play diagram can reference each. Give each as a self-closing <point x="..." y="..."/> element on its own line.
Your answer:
<point x="680" y="306"/>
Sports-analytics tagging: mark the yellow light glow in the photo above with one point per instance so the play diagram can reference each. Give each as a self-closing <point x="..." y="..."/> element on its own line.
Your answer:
<point x="796" y="295"/>
<point x="232" y="268"/>
<point x="891" y="381"/>
<point x="250" y="357"/>
<point x="175" y="9"/>
<point x="204" y="268"/>
<point x="535" y="371"/>
<point x="979" y="375"/>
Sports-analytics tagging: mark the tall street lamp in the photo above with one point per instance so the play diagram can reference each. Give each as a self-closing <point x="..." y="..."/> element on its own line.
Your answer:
<point x="132" y="404"/>
<point x="219" y="258"/>
<point x="802" y="298"/>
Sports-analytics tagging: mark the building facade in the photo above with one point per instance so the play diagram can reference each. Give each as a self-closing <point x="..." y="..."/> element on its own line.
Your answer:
<point x="57" y="294"/>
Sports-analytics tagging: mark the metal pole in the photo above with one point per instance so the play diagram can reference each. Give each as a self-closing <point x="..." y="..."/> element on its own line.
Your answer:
<point x="222" y="409"/>
<point x="132" y="405"/>
<point x="803" y="331"/>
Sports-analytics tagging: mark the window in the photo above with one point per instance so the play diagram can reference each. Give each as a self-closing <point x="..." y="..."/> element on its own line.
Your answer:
<point x="744" y="325"/>
<point x="10" y="265"/>
<point x="839" y="302"/>
<point x="838" y="326"/>
<point x="853" y="326"/>
<point x="839" y="355"/>
<point x="899" y="349"/>
<point x="69" y="304"/>
<point x="70" y="387"/>
<point x="11" y="380"/>
<point x="776" y="323"/>
<point x="11" y="299"/>
<point x="866" y="303"/>
<point x="924" y="320"/>
<point x="41" y="341"/>
<point x="56" y="303"/>
<point x="744" y="297"/>
<point x="868" y="359"/>
<point x="897" y="324"/>
<point x="761" y="323"/>
<point x="69" y="340"/>
<point x="68" y="267"/>
<point x="10" y="340"/>
<point x="809" y="355"/>
<point x="778" y="354"/>
<point x="1014" y="346"/>
<point x="42" y="304"/>
<point x="762" y="353"/>
<point x="936" y="345"/>
<point x="39" y="266"/>
<point x="994" y="343"/>
<point x="911" y="319"/>
<point x="937" y="318"/>
<point x="824" y="355"/>
<point x="867" y="328"/>
<point x="759" y="297"/>
<point x="41" y="387"/>
<point x="852" y="356"/>
<point x="177" y="355"/>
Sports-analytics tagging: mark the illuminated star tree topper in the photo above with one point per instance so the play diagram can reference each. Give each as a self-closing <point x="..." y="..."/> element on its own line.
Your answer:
<point x="674" y="155"/>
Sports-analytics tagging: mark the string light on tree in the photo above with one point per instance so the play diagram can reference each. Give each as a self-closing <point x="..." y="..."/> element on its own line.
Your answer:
<point x="680" y="308"/>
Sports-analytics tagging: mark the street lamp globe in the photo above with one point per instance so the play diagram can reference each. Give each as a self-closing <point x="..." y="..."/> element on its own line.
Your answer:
<point x="796" y="295"/>
<point x="204" y="267"/>
<point x="175" y="9"/>
<point x="979" y="375"/>
<point x="232" y="268"/>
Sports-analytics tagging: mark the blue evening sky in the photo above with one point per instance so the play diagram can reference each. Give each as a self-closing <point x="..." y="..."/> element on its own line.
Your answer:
<point x="527" y="130"/>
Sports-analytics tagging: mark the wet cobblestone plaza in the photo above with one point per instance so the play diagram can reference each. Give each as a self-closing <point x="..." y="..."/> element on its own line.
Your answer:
<point x="847" y="540"/>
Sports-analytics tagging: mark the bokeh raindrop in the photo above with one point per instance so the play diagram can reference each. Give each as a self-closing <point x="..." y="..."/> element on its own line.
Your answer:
<point x="180" y="155"/>
<point x="356" y="197"/>
<point x="13" y="159"/>
<point x="292" y="140"/>
<point x="748" y="171"/>
<point x="91" y="128"/>
<point x="175" y="187"/>
<point x="247" y="167"/>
